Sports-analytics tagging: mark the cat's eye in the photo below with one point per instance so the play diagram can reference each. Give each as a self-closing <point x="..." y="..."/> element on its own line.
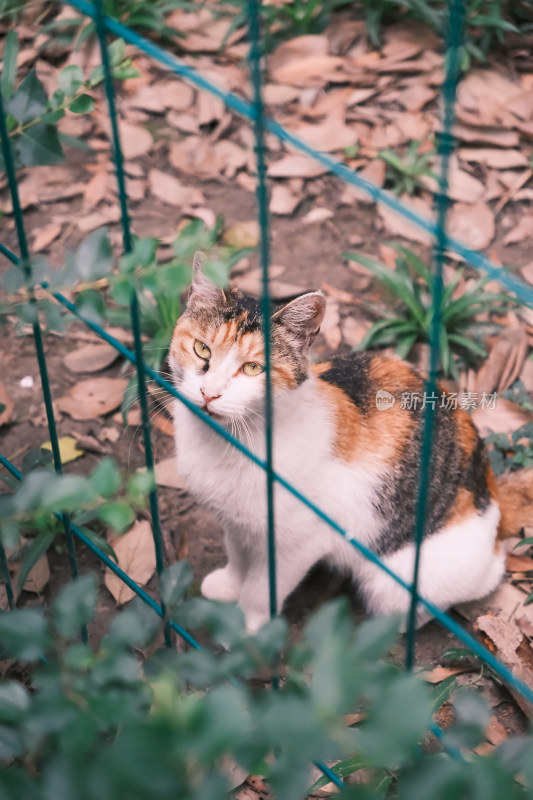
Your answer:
<point x="252" y="368"/>
<point x="202" y="349"/>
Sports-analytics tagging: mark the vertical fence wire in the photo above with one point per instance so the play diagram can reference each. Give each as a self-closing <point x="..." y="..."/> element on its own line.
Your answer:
<point x="254" y="10"/>
<point x="445" y="148"/>
<point x="37" y="335"/>
<point x="134" y="303"/>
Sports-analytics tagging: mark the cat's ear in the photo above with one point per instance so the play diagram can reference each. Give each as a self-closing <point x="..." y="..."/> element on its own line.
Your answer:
<point x="303" y="316"/>
<point x="202" y="291"/>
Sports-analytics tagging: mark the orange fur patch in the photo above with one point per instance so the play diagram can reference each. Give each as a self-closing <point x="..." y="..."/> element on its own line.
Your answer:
<point x="358" y="433"/>
<point x="318" y="369"/>
<point x="394" y="376"/>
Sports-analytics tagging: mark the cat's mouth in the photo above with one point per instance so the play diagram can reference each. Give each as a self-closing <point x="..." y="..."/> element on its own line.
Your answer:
<point x="211" y="413"/>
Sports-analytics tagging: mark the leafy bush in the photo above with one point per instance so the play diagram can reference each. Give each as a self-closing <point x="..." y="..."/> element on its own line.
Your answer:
<point x="403" y="174"/>
<point x="512" y="451"/>
<point x="412" y="287"/>
<point x="485" y="23"/>
<point x="28" y="528"/>
<point x="99" y="724"/>
<point x="32" y="116"/>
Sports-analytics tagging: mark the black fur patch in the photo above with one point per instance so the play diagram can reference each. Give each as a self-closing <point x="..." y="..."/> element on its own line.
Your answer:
<point x="350" y="373"/>
<point x="397" y="498"/>
<point x="243" y="308"/>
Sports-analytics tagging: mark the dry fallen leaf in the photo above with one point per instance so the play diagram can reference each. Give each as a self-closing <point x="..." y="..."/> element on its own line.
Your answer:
<point x="136" y="556"/>
<point x="398" y="225"/>
<point x="518" y="563"/>
<point x="242" y="234"/>
<point x="330" y="328"/>
<point x="68" y="449"/>
<point x="251" y="282"/>
<point x="439" y="674"/>
<point x="524" y="230"/>
<point x="91" y="358"/>
<point x="462" y="186"/>
<point x="166" y="474"/>
<point x="473" y="225"/>
<point x="295" y="166"/>
<point x="494" y="157"/>
<point x="331" y="135"/>
<point x="339" y="294"/>
<point x="496" y="733"/>
<point x="373" y="172"/>
<point x="282" y="201"/>
<point x="495" y="136"/>
<point x="317" y="215"/>
<point x="38" y="576"/>
<point x="505" y="417"/>
<point x="298" y="47"/>
<point x="45" y="236"/>
<point x="505" y="362"/>
<point x="354" y="330"/>
<point x="505" y="640"/>
<point x="195" y="156"/>
<point x="98" y="187"/>
<point x="171" y="191"/>
<point x="90" y="222"/>
<point x="93" y="398"/>
<point x="416" y="96"/>
<point x="135" y="140"/>
<point x="5" y="400"/>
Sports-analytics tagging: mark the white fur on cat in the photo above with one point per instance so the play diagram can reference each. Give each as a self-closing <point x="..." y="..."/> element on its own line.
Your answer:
<point x="457" y="564"/>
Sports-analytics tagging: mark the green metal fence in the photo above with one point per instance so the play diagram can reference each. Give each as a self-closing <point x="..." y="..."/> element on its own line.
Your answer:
<point x="254" y="111"/>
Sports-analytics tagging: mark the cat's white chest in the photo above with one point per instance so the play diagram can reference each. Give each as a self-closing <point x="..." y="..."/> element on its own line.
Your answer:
<point x="234" y="488"/>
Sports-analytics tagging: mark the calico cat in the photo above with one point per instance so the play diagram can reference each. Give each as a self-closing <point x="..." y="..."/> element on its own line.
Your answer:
<point x="353" y="453"/>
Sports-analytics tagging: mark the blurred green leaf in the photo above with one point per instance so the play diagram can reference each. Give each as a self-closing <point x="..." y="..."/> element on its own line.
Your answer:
<point x="33" y="552"/>
<point x="9" y="64"/>
<point x="175" y="582"/>
<point x="70" y="79"/>
<point x="29" y="100"/>
<point x="75" y="606"/>
<point x="82" y="104"/>
<point x="23" y="634"/>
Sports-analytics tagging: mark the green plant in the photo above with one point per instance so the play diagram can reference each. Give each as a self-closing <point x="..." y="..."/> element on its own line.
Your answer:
<point x="403" y="174"/>
<point x="485" y="25"/>
<point x="32" y="116"/>
<point x="101" y="724"/>
<point x="26" y="523"/>
<point x="512" y="451"/>
<point x="412" y="288"/>
<point x="287" y="19"/>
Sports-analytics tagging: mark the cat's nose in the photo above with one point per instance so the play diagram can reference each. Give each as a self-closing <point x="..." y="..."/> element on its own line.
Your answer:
<point x="209" y="398"/>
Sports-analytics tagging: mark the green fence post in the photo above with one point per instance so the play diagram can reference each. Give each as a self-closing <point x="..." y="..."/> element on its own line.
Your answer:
<point x="134" y="304"/>
<point x="254" y="7"/>
<point x="37" y="336"/>
<point x="445" y="148"/>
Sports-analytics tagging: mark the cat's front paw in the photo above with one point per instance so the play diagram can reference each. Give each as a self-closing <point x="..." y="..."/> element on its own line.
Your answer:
<point x="221" y="585"/>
